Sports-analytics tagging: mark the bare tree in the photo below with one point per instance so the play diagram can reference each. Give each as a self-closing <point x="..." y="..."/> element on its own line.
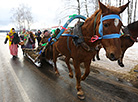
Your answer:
<point x="22" y="15"/>
<point x="17" y="17"/>
<point x="78" y="7"/>
<point x="116" y="3"/>
<point x="86" y="7"/>
<point x="130" y="10"/>
<point x="29" y="18"/>
<point x="120" y="2"/>
<point x="128" y="13"/>
<point x="96" y="4"/>
<point x="134" y="19"/>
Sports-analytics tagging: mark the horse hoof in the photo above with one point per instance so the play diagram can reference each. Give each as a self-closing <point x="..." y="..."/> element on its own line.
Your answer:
<point x="98" y="58"/>
<point x="82" y="78"/>
<point x="80" y="95"/>
<point x="93" y="59"/>
<point x="70" y="75"/>
<point x="121" y="65"/>
<point x="57" y="73"/>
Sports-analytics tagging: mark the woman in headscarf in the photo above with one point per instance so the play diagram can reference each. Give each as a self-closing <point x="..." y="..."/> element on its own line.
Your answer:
<point x="14" y="39"/>
<point x="29" y="40"/>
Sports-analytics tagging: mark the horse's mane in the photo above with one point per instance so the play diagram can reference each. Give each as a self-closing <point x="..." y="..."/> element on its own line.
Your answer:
<point x="133" y="26"/>
<point x="92" y="16"/>
<point x="90" y="21"/>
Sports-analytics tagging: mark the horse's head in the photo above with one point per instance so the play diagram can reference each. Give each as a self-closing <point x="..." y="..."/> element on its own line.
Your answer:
<point x="108" y="29"/>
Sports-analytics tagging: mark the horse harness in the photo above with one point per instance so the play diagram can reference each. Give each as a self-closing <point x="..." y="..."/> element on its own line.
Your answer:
<point x="77" y="34"/>
<point x="78" y="38"/>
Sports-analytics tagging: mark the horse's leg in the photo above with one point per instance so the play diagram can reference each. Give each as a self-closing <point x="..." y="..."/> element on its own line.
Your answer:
<point x="93" y="58"/>
<point x="80" y="93"/>
<point x="69" y="68"/>
<point x="87" y="69"/>
<point x="55" y="55"/>
<point x="120" y="60"/>
<point x="97" y="55"/>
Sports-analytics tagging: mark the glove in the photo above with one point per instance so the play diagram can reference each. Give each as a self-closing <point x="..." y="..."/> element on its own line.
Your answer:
<point x="5" y="40"/>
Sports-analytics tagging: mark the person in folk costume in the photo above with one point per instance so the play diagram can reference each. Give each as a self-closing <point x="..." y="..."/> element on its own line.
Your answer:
<point x="22" y="38"/>
<point x="44" y="38"/>
<point x="29" y="40"/>
<point x="14" y="40"/>
<point x="43" y="43"/>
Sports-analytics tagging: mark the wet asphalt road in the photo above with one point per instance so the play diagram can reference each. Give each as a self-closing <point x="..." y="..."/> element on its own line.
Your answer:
<point x="22" y="81"/>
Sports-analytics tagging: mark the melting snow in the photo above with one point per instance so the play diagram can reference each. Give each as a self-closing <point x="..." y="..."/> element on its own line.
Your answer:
<point x="130" y="60"/>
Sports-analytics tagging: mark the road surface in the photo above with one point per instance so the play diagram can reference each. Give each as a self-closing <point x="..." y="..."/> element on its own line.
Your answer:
<point x="22" y="81"/>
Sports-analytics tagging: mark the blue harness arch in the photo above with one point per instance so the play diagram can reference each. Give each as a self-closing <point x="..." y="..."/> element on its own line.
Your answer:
<point x="67" y="23"/>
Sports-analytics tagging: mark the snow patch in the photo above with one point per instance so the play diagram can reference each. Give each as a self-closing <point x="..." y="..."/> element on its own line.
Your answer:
<point x="130" y="60"/>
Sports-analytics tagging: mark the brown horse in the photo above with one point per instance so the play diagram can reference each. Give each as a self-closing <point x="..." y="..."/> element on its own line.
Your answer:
<point x="128" y="39"/>
<point x="79" y="54"/>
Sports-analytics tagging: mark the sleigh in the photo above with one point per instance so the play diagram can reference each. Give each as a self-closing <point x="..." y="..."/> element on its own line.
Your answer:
<point x="32" y="54"/>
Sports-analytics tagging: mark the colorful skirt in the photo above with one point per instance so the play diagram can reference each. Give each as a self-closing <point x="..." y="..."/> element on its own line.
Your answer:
<point x="14" y="49"/>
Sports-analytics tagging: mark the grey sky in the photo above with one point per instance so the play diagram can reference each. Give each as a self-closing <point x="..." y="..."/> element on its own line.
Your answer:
<point x="45" y="12"/>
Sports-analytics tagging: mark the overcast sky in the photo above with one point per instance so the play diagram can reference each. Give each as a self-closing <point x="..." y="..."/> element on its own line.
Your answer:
<point x="43" y="11"/>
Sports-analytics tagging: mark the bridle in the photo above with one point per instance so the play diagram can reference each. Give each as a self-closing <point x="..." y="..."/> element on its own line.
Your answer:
<point x="109" y="36"/>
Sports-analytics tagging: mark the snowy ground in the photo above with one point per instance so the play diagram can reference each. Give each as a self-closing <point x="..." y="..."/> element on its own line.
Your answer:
<point x="130" y="60"/>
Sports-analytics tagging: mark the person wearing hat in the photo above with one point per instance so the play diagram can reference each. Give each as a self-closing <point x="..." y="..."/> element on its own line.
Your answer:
<point x="14" y="40"/>
<point x="38" y="36"/>
<point x="44" y="37"/>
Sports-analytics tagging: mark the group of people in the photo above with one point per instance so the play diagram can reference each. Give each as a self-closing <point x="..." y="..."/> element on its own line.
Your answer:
<point x="26" y="39"/>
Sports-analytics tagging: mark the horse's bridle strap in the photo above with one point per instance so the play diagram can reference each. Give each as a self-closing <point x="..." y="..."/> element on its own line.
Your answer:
<point x="112" y="16"/>
<point x="109" y="36"/>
